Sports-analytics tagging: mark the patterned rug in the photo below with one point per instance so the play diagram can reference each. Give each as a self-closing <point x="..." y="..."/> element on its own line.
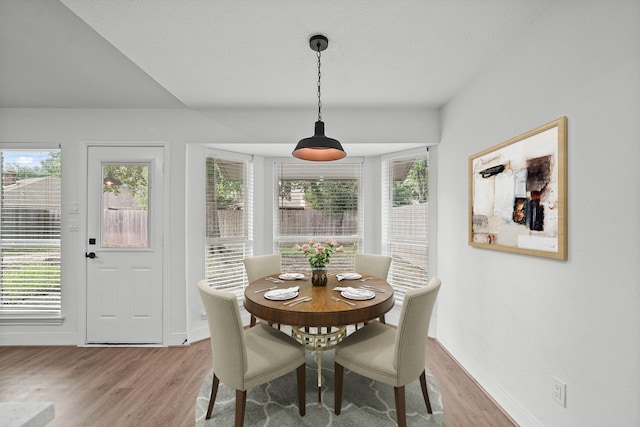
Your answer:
<point x="364" y="402"/>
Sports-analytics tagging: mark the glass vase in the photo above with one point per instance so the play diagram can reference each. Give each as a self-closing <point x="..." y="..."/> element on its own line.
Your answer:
<point x="319" y="276"/>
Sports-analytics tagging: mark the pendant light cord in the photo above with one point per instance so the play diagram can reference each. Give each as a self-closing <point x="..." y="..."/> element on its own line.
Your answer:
<point x="319" y="75"/>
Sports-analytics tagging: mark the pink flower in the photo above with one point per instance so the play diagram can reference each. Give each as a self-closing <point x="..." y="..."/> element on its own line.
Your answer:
<point x="319" y="254"/>
<point x="296" y="247"/>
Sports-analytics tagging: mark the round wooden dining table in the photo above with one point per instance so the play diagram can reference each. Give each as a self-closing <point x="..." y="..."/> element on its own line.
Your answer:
<point x="318" y="307"/>
<point x="322" y="310"/>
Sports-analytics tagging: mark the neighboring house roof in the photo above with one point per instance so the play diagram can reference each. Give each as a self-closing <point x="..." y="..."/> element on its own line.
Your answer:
<point x="32" y="192"/>
<point x="123" y="200"/>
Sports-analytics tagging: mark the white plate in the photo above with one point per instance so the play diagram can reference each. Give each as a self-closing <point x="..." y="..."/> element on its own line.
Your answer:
<point x="349" y="276"/>
<point x="279" y="296"/>
<point x="359" y="294"/>
<point x="291" y="276"/>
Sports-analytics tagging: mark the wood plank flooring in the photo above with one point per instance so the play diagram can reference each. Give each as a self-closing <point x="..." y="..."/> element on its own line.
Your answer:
<point x="158" y="386"/>
<point x="465" y="403"/>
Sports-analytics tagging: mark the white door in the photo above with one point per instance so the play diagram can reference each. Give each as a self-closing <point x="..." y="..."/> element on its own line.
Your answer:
<point x="124" y="245"/>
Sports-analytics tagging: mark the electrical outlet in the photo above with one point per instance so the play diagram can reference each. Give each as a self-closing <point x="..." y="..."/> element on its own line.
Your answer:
<point x="559" y="392"/>
<point x="203" y="316"/>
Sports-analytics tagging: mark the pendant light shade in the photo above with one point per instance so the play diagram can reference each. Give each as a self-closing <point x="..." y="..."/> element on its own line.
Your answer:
<point x="319" y="148"/>
<point x="110" y="180"/>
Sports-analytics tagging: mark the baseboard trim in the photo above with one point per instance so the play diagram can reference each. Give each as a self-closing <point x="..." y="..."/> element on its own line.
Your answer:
<point x="39" y="339"/>
<point x="177" y="340"/>
<point x="199" y="334"/>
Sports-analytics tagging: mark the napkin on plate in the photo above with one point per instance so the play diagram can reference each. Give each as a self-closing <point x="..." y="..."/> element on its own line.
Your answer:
<point x="352" y="291"/>
<point x="348" y="276"/>
<point x="291" y="276"/>
<point x="284" y="291"/>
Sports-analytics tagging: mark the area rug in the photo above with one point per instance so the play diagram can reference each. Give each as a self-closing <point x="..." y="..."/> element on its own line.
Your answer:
<point x="364" y="402"/>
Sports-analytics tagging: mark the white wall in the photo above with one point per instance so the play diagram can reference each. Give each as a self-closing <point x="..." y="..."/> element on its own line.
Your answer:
<point x="184" y="132"/>
<point x="514" y="321"/>
<point x="71" y="128"/>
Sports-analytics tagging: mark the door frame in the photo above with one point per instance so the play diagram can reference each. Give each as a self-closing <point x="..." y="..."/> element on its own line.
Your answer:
<point x="82" y="294"/>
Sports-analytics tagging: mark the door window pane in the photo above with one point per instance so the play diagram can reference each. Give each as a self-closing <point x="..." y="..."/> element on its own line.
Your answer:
<point x="125" y="205"/>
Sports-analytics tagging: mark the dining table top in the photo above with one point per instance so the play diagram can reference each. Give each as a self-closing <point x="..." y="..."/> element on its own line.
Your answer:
<point x="322" y="310"/>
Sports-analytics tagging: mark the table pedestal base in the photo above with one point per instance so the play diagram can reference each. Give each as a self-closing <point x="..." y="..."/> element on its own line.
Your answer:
<point x="319" y="341"/>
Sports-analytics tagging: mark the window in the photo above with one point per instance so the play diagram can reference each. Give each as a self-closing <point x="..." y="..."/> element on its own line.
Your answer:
<point x="30" y="234"/>
<point x="317" y="200"/>
<point x="229" y="219"/>
<point x="405" y="218"/>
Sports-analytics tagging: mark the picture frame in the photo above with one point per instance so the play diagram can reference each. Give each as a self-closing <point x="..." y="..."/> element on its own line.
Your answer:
<point x="518" y="193"/>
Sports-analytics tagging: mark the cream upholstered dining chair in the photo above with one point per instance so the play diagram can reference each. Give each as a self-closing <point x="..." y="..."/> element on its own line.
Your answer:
<point x="388" y="355"/>
<point x="243" y="359"/>
<point x="260" y="266"/>
<point x="373" y="265"/>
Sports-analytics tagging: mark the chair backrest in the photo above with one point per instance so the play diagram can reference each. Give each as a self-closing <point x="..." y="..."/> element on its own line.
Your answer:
<point x="375" y="265"/>
<point x="227" y="335"/>
<point x="413" y="327"/>
<point x="262" y="265"/>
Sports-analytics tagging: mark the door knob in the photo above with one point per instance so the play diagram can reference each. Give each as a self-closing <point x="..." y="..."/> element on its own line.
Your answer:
<point x="91" y="255"/>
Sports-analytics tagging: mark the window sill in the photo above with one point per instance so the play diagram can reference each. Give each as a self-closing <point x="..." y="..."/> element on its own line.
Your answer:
<point x="31" y="320"/>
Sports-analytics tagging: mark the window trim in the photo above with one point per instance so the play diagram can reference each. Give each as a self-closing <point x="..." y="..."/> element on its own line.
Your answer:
<point x="27" y="318"/>
<point x="278" y="238"/>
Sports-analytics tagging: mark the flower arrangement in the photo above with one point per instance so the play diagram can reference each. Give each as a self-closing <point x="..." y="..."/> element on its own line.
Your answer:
<point x="319" y="254"/>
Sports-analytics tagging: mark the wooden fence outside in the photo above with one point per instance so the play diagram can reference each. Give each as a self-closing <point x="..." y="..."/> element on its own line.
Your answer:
<point x="129" y="227"/>
<point x="125" y="228"/>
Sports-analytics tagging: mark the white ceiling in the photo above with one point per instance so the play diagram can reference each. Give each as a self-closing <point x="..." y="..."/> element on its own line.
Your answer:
<point x="216" y="54"/>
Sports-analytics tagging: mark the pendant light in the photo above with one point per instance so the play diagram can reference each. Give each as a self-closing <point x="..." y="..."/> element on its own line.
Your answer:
<point x="110" y="180"/>
<point x="318" y="147"/>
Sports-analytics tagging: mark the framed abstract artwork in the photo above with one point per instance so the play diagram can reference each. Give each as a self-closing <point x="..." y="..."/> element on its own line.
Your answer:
<point x="518" y="193"/>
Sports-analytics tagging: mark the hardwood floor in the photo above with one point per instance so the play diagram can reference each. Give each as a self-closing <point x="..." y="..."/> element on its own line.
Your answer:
<point x="158" y="386"/>
<point x="465" y="404"/>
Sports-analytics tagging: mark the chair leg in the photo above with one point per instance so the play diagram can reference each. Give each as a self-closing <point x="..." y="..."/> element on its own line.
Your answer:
<point x="252" y="321"/>
<point x="423" y="383"/>
<point x="302" y="383"/>
<point x="241" y="402"/>
<point x="214" y="392"/>
<point x="400" y="406"/>
<point x="339" y="374"/>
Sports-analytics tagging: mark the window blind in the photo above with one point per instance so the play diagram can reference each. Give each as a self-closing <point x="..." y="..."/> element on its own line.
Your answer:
<point x="405" y="219"/>
<point x="30" y="234"/>
<point x="229" y="220"/>
<point x="315" y="201"/>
